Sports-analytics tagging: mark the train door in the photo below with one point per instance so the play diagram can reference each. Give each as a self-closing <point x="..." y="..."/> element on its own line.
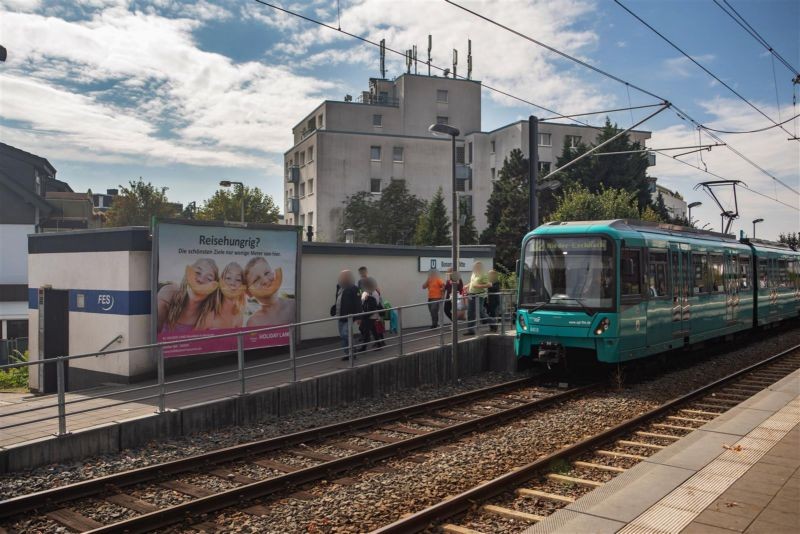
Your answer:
<point x="679" y="269"/>
<point x="633" y="306"/>
<point x="659" y="299"/>
<point x="731" y="281"/>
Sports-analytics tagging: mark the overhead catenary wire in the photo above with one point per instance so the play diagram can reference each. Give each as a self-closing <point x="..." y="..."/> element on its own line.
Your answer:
<point x="741" y="21"/>
<point x="435" y="67"/>
<point x="682" y="114"/>
<point x="702" y="67"/>
<point x="790" y="119"/>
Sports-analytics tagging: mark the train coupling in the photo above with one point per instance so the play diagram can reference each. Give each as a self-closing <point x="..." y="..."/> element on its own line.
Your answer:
<point x="550" y="352"/>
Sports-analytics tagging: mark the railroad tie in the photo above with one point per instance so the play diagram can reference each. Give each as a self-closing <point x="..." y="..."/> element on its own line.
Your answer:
<point x="673" y="427"/>
<point x="73" y="520"/>
<point x="374" y="436"/>
<point x="456" y="529"/>
<point x="347" y="446"/>
<point x="424" y="421"/>
<point x="313" y="455"/>
<point x="700" y="412"/>
<point x="233" y="477"/>
<point x="532" y="493"/>
<point x="657" y="436"/>
<point x="601" y="467"/>
<point x="616" y="454"/>
<point x="277" y="466"/>
<point x="188" y="489"/>
<point x="405" y="429"/>
<point x="640" y="444"/>
<point x="509" y="513"/>
<point x="573" y="480"/>
<point x="689" y="419"/>
<point x="132" y="503"/>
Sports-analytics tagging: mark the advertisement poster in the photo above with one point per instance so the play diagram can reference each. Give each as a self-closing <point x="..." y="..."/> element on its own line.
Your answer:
<point x="220" y="279"/>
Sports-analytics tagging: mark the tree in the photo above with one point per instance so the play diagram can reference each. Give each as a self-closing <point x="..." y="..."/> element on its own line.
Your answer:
<point x="137" y="204"/>
<point x="433" y="227"/>
<point x="507" y="210"/>
<point x="226" y="205"/>
<point x="391" y="219"/>
<point x="578" y="203"/>
<point x="467" y="233"/>
<point x="793" y="239"/>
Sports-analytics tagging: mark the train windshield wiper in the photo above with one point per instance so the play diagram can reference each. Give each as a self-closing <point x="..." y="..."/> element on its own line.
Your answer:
<point x="580" y="303"/>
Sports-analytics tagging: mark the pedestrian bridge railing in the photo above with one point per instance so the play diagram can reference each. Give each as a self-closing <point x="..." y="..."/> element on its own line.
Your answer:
<point x="246" y="376"/>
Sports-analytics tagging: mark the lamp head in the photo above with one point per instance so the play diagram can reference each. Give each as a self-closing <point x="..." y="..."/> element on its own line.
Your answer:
<point x="695" y="204"/>
<point x="444" y="129"/>
<point x="225" y="183"/>
<point x="757" y="221"/>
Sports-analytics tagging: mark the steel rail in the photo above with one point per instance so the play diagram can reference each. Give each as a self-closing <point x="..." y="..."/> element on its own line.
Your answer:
<point x="87" y="488"/>
<point x="243" y="494"/>
<point x="465" y="501"/>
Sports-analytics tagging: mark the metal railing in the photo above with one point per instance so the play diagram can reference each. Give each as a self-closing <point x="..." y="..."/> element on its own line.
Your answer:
<point x="348" y="349"/>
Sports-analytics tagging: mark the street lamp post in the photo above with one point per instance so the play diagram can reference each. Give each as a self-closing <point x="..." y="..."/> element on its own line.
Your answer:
<point x="755" y="222"/>
<point x="444" y="129"/>
<point x="693" y="205"/>
<point x="228" y="183"/>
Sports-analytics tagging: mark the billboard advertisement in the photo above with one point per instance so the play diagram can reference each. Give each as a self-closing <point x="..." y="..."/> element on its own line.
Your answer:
<point x="215" y="279"/>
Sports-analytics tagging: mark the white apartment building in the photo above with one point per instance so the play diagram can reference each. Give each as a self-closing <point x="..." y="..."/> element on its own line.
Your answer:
<point x="342" y="148"/>
<point x="673" y="200"/>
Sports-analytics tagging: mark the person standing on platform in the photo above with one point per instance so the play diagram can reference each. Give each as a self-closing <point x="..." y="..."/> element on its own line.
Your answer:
<point x="448" y="288"/>
<point x="477" y="290"/>
<point x="363" y="274"/>
<point x="493" y="302"/>
<point x="347" y="303"/>
<point x="435" y="286"/>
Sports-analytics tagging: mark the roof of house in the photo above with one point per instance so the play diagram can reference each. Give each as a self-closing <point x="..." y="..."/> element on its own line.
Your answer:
<point x="31" y="158"/>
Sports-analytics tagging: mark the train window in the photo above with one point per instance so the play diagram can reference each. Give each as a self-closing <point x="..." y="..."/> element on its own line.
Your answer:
<point x="763" y="270"/>
<point x="657" y="274"/>
<point x="631" y="272"/>
<point x="783" y="273"/>
<point x="715" y="262"/>
<point x="744" y="272"/>
<point x="700" y="263"/>
<point x="794" y="273"/>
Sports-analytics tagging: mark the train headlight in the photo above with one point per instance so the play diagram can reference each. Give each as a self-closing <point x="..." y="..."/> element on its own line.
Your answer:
<point x="602" y="326"/>
<point x="522" y="321"/>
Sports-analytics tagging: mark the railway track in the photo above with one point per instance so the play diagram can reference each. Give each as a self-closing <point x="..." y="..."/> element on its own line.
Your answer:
<point x="530" y="493"/>
<point x="239" y="474"/>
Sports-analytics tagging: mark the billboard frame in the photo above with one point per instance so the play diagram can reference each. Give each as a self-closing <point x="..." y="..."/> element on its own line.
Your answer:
<point x="154" y="264"/>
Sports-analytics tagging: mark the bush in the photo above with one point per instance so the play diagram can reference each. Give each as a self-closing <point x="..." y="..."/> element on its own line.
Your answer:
<point x="16" y="378"/>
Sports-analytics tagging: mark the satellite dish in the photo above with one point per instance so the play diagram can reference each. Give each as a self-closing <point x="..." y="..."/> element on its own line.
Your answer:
<point x="446" y="73"/>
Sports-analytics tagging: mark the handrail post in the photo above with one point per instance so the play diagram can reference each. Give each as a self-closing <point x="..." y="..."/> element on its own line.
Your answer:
<point x="240" y="362"/>
<point x="441" y="322"/>
<point x="292" y="353"/>
<point x="162" y="386"/>
<point x="502" y="313"/>
<point x="477" y="311"/>
<point x="62" y="408"/>
<point x="400" y="329"/>
<point x="350" y="348"/>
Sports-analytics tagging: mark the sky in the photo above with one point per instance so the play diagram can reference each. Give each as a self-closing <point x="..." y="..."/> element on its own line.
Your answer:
<point x="188" y="93"/>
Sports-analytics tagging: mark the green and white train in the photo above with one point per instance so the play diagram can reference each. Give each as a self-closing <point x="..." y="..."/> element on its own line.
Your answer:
<point x="615" y="291"/>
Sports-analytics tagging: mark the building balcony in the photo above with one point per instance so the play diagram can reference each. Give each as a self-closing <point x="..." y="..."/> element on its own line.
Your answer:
<point x="293" y="174"/>
<point x="292" y="205"/>
<point x="375" y="100"/>
<point x="463" y="172"/>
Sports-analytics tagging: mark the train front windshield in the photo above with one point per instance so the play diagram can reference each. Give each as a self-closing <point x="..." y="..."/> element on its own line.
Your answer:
<point x="568" y="272"/>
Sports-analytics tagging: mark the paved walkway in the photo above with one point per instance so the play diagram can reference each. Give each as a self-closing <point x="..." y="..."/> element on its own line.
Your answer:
<point x="738" y="473"/>
<point x="114" y="403"/>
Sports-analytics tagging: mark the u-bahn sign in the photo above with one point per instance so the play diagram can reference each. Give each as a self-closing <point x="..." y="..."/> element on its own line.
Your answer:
<point x="426" y="263"/>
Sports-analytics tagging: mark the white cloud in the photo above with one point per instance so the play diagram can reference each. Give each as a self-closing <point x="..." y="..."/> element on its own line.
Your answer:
<point x="682" y="67"/>
<point x="769" y="149"/>
<point x="161" y="97"/>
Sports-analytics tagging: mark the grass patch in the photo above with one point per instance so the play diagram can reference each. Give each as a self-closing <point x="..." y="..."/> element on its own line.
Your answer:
<point x="15" y="380"/>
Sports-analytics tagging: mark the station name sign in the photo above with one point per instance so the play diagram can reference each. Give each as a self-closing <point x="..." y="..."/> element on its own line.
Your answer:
<point x="426" y="263"/>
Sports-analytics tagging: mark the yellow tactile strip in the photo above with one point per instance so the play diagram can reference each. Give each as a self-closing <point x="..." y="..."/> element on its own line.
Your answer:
<point x="680" y="507"/>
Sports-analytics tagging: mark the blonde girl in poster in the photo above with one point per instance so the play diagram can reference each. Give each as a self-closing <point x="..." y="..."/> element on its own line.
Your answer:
<point x="263" y="284"/>
<point x="230" y="300"/>
<point x="189" y="306"/>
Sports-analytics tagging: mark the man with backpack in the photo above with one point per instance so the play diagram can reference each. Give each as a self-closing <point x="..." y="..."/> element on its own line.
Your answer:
<point x="347" y="303"/>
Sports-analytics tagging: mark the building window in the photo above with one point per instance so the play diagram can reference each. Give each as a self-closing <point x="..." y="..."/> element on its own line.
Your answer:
<point x="544" y="139"/>
<point x="310" y="218"/>
<point x="397" y="154"/>
<point x="493" y="146"/>
<point x="302" y="220"/>
<point x="375" y="153"/>
<point x="16" y="328"/>
<point x="441" y="95"/>
<point x="311" y="153"/>
<point x="303" y="157"/>
<point x="469" y="152"/>
<point x="544" y="167"/>
<point x="460" y="155"/>
<point x="302" y="189"/>
<point x="461" y="185"/>
<point x="383" y="97"/>
<point x="493" y="173"/>
<point x="377" y="120"/>
<point x="441" y="120"/>
<point x="467" y="204"/>
<point x="310" y="186"/>
<point x="572" y="140"/>
<point x="375" y="185"/>
<point x="319" y="121"/>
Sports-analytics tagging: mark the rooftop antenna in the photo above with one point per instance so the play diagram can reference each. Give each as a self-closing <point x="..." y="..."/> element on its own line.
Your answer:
<point x="469" y="59"/>
<point x="730" y="215"/>
<point x="383" y="58"/>
<point x="430" y="46"/>
<point x="409" y="60"/>
<point x="414" y="51"/>
<point x="455" y="63"/>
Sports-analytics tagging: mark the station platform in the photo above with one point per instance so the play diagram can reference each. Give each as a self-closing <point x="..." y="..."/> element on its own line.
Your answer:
<point x="738" y="473"/>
